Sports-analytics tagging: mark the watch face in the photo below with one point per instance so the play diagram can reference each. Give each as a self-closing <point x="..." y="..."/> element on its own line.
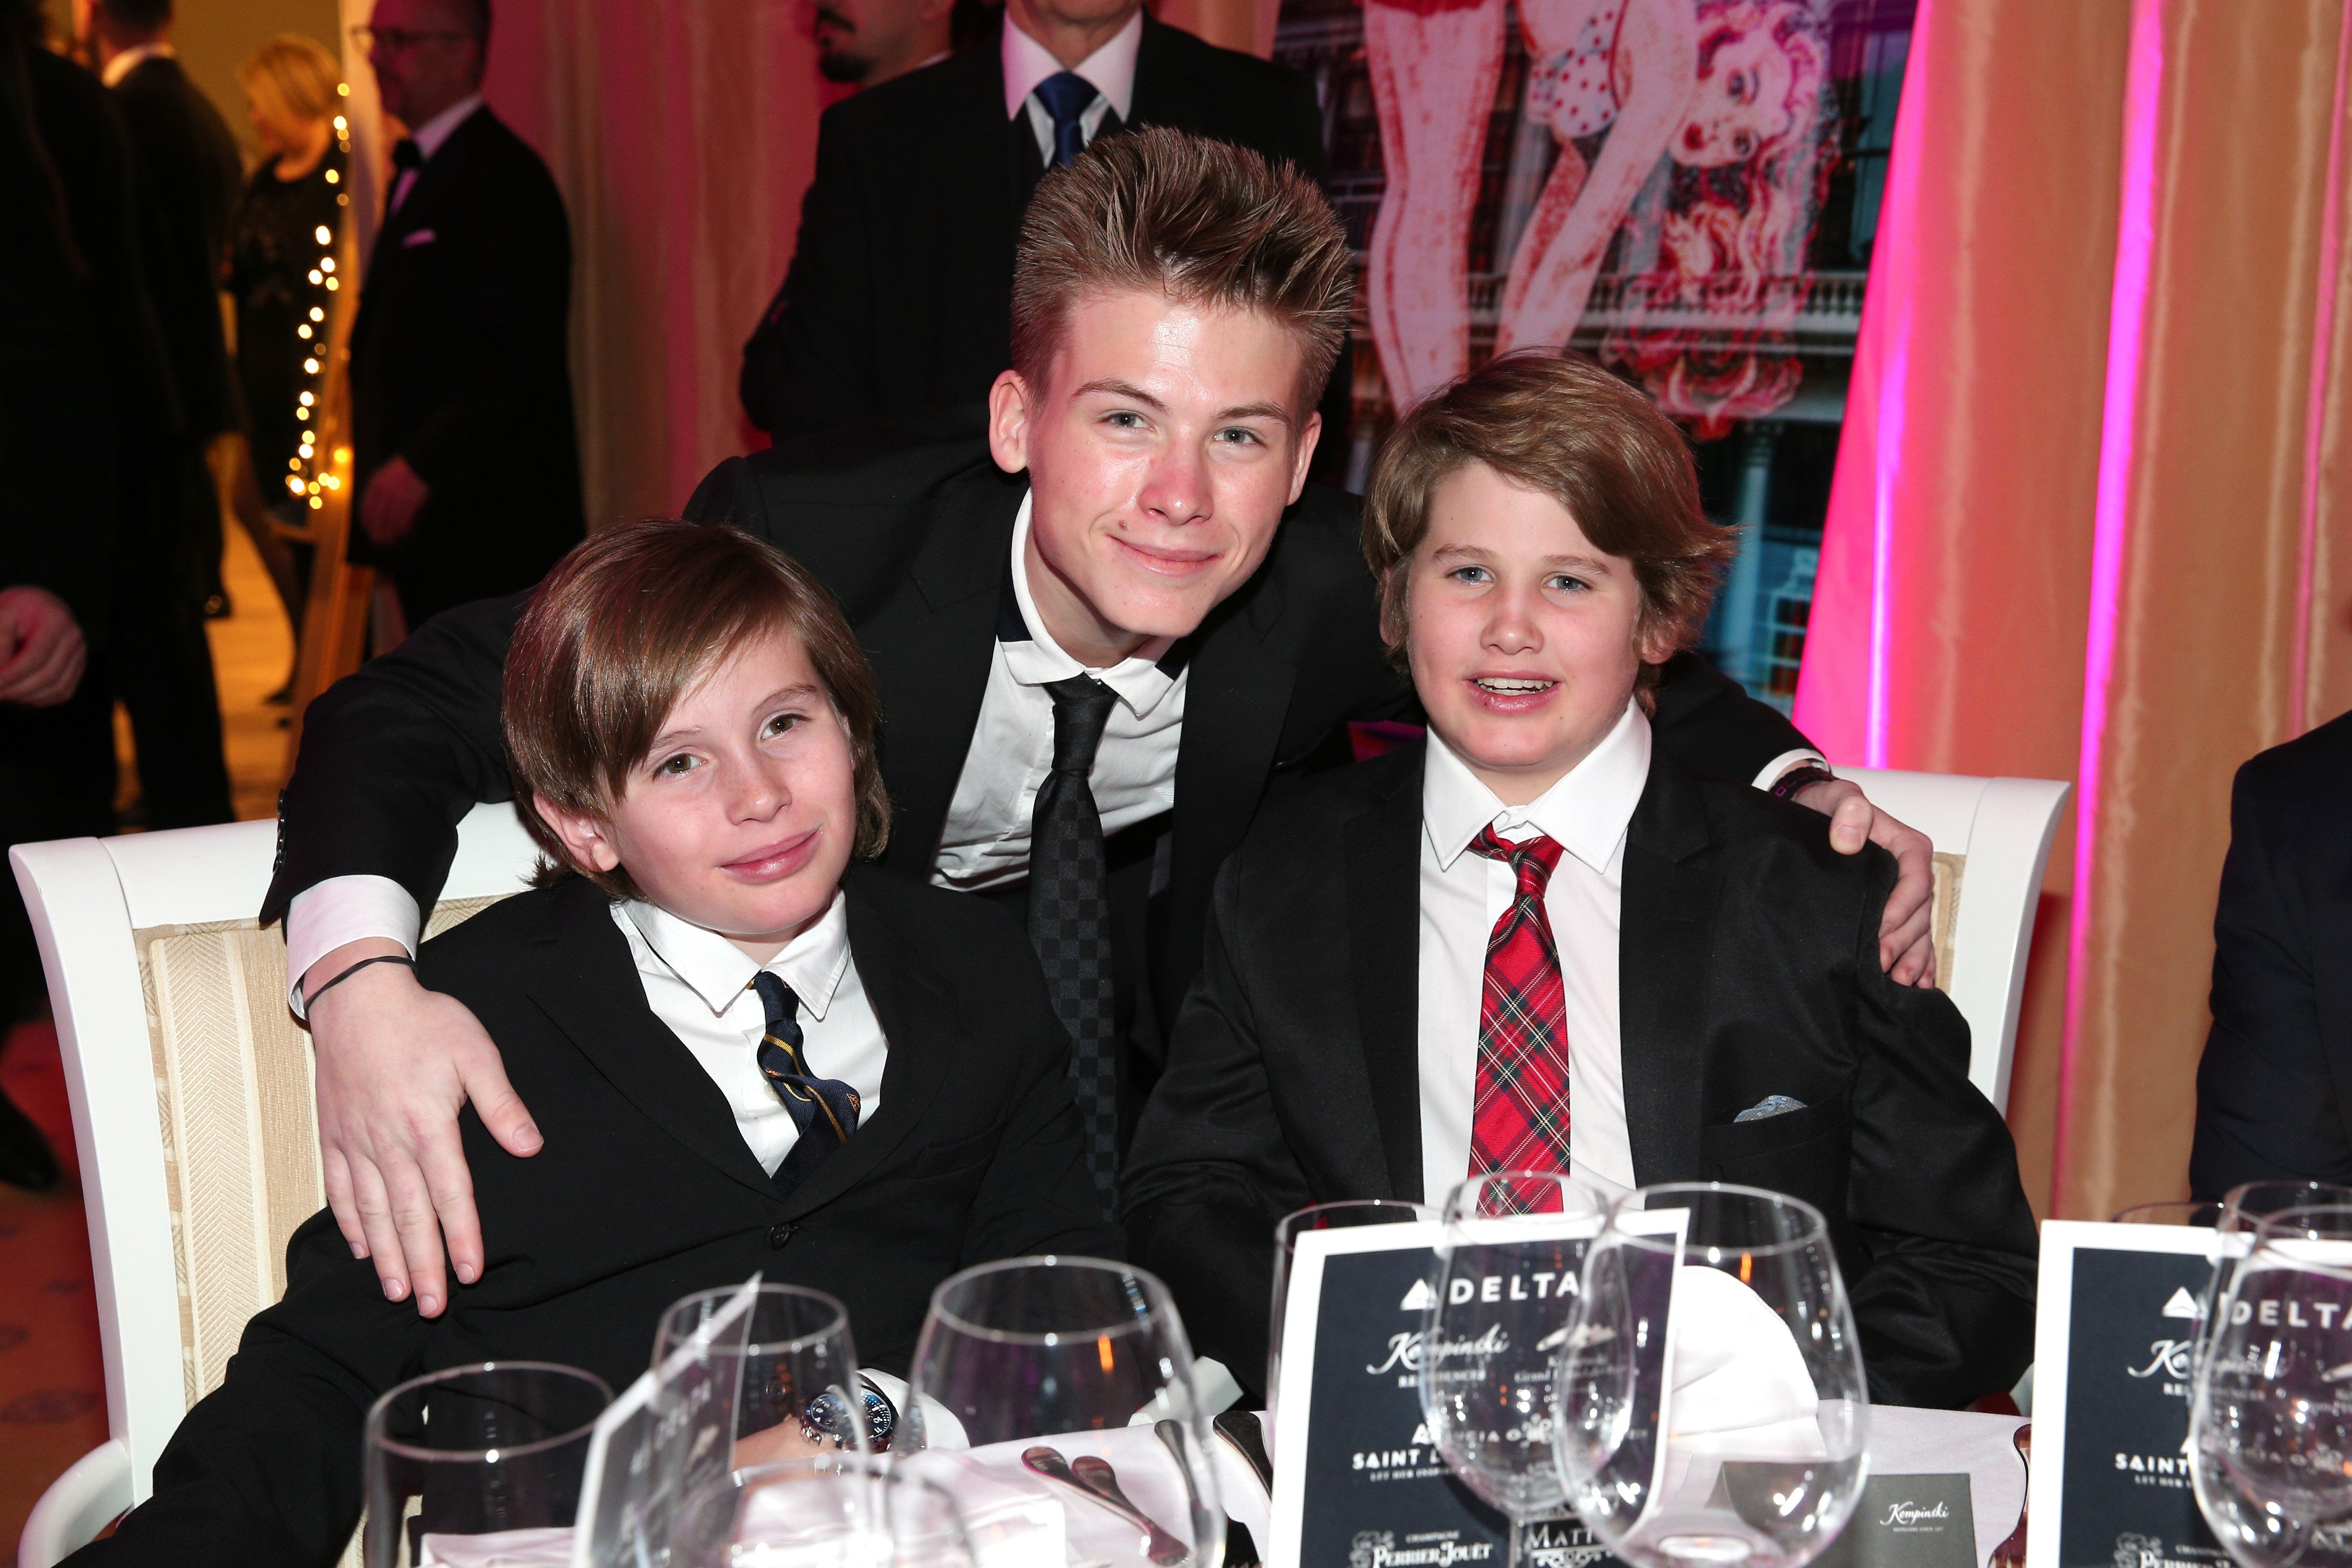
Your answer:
<point x="827" y="1418"/>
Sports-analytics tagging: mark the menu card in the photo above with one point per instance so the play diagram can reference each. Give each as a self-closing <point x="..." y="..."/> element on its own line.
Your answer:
<point x="1358" y="1481"/>
<point x="668" y="1434"/>
<point x="2115" y="1335"/>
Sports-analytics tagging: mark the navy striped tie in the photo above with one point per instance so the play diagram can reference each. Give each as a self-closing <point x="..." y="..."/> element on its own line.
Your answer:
<point x="823" y="1109"/>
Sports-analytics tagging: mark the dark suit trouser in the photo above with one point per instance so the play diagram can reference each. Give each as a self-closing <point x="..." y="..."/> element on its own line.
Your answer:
<point x="161" y="664"/>
<point x="56" y="781"/>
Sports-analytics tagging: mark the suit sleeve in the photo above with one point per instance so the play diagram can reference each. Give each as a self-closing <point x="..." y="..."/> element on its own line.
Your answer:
<point x="1037" y="1197"/>
<point x="1706" y="722"/>
<point x="1946" y="1306"/>
<point x="518" y="262"/>
<point x="395" y="755"/>
<point x="1209" y="1172"/>
<point x="809" y="364"/>
<point x="266" y="1469"/>
<point x="2267" y="1107"/>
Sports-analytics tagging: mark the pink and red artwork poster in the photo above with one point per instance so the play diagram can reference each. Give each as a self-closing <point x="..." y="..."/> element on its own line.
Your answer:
<point x="1686" y="189"/>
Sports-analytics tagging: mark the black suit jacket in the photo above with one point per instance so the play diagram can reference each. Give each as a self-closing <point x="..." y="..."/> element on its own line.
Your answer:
<point x="188" y="174"/>
<point x="2275" y="1090"/>
<point x="1749" y="967"/>
<point x="898" y="297"/>
<point x="915" y="540"/>
<point x="644" y="1192"/>
<point x="459" y="366"/>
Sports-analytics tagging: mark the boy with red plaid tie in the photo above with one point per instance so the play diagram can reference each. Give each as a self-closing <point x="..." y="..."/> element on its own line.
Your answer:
<point x="1533" y="941"/>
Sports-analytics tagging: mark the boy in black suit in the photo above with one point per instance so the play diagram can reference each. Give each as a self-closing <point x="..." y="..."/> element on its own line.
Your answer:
<point x="1536" y="941"/>
<point x="749" y="1053"/>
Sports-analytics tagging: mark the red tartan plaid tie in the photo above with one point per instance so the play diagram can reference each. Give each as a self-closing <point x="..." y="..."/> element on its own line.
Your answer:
<point x="1518" y="1119"/>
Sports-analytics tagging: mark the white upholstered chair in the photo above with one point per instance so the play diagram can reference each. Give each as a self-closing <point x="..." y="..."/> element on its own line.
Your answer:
<point x="1992" y="840"/>
<point x="190" y="1085"/>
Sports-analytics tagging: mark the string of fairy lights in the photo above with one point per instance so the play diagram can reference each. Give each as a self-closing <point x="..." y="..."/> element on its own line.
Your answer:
<point x="311" y="470"/>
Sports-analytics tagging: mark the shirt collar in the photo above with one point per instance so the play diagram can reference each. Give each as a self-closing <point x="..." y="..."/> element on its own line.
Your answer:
<point x="1111" y="68"/>
<point x="1034" y="657"/>
<point x="1587" y="811"/>
<point x="718" y="972"/>
<point x="137" y="55"/>
<point x="429" y="136"/>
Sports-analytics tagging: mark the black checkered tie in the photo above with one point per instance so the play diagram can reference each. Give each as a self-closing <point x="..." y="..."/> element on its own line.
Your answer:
<point x="1069" y="915"/>
<point x="823" y="1109"/>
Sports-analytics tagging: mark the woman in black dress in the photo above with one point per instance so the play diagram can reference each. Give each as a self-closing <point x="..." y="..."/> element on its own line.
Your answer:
<point x="282" y="251"/>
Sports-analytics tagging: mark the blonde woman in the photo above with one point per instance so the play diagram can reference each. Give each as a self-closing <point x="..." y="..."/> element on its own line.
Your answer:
<point x="281" y="252"/>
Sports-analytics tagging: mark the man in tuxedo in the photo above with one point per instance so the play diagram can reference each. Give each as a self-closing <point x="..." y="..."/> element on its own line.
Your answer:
<point x="185" y="176"/>
<point x="712" y="958"/>
<point x="465" y="452"/>
<point x="1538" y="941"/>
<point x="2271" y="1091"/>
<point x="1103" y="639"/>
<point x="895" y="302"/>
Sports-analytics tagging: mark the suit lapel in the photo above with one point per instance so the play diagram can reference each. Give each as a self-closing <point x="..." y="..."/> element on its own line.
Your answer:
<point x="1383" y="902"/>
<point x="586" y="981"/>
<point x="1158" y="87"/>
<point x="918" y="1023"/>
<point x="1665" y="937"/>
<point x="931" y="650"/>
<point x="1236" y="700"/>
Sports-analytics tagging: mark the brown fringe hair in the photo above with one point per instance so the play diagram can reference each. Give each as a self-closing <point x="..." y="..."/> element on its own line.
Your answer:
<point x="623" y="627"/>
<point x="1556" y="422"/>
<point x="1204" y="222"/>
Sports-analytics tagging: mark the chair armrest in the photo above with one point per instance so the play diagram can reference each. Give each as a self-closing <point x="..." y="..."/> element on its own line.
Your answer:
<point x="78" y="1505"/>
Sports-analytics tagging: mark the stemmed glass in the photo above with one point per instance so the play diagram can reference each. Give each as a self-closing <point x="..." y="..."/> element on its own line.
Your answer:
<point x="2241" y="1214"/>
<point x="832" y="1511"/>
<point x="798" y="1367"/>
<point x="2272" y="1422"/>
<point x="1713" y="1409"/>
<point x="1067" y="1380"/>
<point x="1513" y="1243"/>
<point x="495" y="1452"/>
<point x="1345" y="1214"/>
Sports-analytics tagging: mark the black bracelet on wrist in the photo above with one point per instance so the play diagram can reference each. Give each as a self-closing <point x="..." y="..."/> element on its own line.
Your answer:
<point x="311" y="1000"/>
<point x="1786" y="786"/>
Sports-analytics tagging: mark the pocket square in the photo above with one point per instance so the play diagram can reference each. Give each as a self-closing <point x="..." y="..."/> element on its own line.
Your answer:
<point x="1770" y="1105"/>
<point x="421" y="237"/>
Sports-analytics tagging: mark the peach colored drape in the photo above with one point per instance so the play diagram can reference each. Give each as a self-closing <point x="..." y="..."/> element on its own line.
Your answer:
<point x="2091" y="485"/>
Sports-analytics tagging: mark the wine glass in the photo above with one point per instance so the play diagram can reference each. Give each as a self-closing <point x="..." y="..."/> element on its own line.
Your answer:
<point x="2272" y="1418"/>
<point x="829" y="1510"/>
<point x="1057" y="1394"/>
<point x="1346" y="1215"/>
<point x="496" y="1450"/>
<point x="2242" y="1209"/>
<point x="799" y="1369"/>
<point x="1713" y="1406"/>
<point x="1513" y="1243"/>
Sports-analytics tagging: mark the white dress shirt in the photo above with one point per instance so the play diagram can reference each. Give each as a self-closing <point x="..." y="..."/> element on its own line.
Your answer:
<point x="1111" y="69"/>
<point x="429" y="138"/>
<point x="985" y="843"/>
<point x="137" y="55"/>
<point x="1462" y="894"/>
<point x="699" y="983"/>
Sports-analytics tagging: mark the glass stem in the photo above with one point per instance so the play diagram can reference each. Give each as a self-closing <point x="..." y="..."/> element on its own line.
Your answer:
<point x="1518" y="1553"/>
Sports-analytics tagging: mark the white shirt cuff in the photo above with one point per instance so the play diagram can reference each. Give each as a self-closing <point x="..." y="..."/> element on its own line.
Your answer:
<point x="1802" y="757"/>
<point x="340" y="910"/>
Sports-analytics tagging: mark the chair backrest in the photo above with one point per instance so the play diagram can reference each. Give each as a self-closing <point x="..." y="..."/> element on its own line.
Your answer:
<point x="1993" y="840"/>
<point x="191" y="1088"/>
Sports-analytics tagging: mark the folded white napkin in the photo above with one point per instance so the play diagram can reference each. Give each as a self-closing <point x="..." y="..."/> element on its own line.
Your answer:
<point x="1740" y="1386"/>
<point x="1013" y="1520"/>
<point x="546" y="1548"/>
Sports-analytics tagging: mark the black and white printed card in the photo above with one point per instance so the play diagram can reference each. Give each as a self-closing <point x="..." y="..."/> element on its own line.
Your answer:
<point x="1358" y="1483"/>
<point x="1908" y="1522"/>
<point x="2115" y="1335"/>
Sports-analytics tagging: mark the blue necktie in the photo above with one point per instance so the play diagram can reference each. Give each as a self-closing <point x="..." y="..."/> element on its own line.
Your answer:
<point x="823" y="1109"/>
<point x="1066" y="95"/>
